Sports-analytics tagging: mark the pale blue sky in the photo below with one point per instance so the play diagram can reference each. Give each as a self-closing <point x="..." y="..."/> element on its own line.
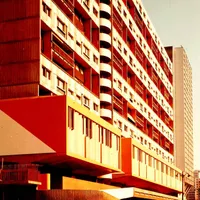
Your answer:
<point x="177" y="23"/>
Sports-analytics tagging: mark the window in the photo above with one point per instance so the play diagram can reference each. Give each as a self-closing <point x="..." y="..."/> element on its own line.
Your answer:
<point x="95" y="107"/>
<point x="119" y="45"/>
<point x="130" y="25"/>
<point x="95" y="59"/>
<point x="140" y="155"/>
<point x="102" y="135"/>
<point x="78" y="44"/>
<point x="131" y="60"/>
<point x="71" y="118"/>
<point x="70" y="36"/>
<point x="150" y="161"/>
<point x="119" y="6"/>
<point x="79" y="68"/>
<point x="125" y="14"/>
<point x="157" y="164"/>
<point x="88" y="126"/>
<point x="132" y="133"/>
<point x="125" y="89"/>
<point x="133" y="152"/>
<point x="125" y="128"/>
<point x="86" y="102"/>
<point x="46" y="72"/>
<point x="117" y="142"/>
<point x="120" y="125"/>
<point x="60" y="26"/>
<point x="108" y="138"/>
<point x="162" y="167"/>
<point x="95" y="12"/>
<point x="119" y="85"/>
<point x="131" y="97"/>
<point x="86" y="3"/>
<point x="125" y="51"/>
<point x="78" y="97"/>
<point x="71" y="93"/>
<point x="46" y="9"/>
<point x="60" y="84"/>
<point x="86" y="51"/>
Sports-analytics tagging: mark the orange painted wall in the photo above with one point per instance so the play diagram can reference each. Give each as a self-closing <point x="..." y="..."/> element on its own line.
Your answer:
<point x="126" y="155"/>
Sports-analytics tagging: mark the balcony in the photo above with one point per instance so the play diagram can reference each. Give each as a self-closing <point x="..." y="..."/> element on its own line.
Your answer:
<point x="105" y="9"/>
<point x="105" y="25"/>
<point x="105" y="54"/>
<point x="155" y="78"/>
<point x="140" y="121"/>
<point x="105" y="67"/>
<point x="105" y="97"/>
<point x="19" y="174"/>
<point x="106" y="113"/>
<point x="106" y="39"/>
<point x="118" y="102"/>
<point x="139" y="22"/>
<point x="139" y="89"/>
<point x="62" y="58"/>
<point x="139" y="54"/>
<point x="155" y="107"/>
<point x="66" y="5"/>
<point x="155" y="50"/>
<point x="118" y="23"/>
<point x="105" y="82"/>
<point x="117" y="64"/>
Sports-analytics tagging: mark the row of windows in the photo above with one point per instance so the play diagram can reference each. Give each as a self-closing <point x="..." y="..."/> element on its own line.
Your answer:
<point x="148" y="52"/>
<point x="62" y="28"/>
<point x="154" y="36"/>
<point x="46" y="9"/>
<point x="104" y="135"/>
<point x="147" y="159"/>
<point x="47" y="74"/>
<point x="61" y="85"/>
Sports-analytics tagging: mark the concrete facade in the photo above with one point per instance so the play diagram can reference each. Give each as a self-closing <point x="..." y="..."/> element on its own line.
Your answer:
<point x="183" y="112"/>
<point x="86" y="91"/>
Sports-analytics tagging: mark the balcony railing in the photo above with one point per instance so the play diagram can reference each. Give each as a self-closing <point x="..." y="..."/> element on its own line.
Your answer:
<point x="61" y="56"/>
<point x="140" y="121"/>
<point x="19" y="174"/>
<point x="64" y="55"/>
<point x="139" y="88"/>
<point x="139" y="54"/>
<point x="118" y="102"/>
<point x="117" y="63"/>
<point x="139" y="22"/>
<point x="117" y="22"/>
<point x="155" y="106"/>
<point x="155" y="79"/>
<point x="155" y="50"/>
<point x="69" y="3"/>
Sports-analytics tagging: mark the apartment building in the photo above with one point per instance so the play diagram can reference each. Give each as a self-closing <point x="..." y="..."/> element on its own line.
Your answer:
<point x="86" y="107"/>
<point x="183" y="112"/>
<point x="194" y="192"/>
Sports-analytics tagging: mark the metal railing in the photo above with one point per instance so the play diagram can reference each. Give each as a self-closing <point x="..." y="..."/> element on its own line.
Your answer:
<point x="62" y="54"/>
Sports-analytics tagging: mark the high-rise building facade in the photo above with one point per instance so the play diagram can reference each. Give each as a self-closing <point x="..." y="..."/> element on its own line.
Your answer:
<point x="183" y="112"/>
<point x="194" y="193"/>
<point x="86" y="91"/>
